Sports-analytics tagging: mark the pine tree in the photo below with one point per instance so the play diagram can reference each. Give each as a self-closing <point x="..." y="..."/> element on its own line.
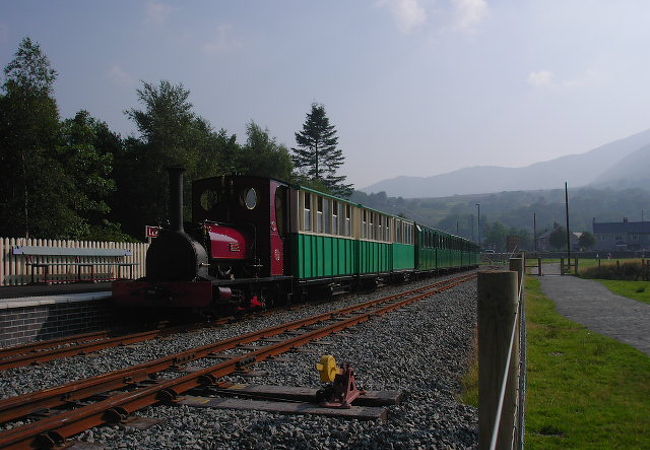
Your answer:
<point x="317" y="156"/>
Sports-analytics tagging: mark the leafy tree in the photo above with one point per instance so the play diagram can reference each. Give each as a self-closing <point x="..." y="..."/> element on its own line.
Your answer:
<point x="30" y="188"/>
<point x="263" y="156"/>
<point x="171" y="134"/>
<point x="557" y="238"/>
<point x="496" y="236"/>
<point x="169" y="129"/>
<point x="86" y="151"/>
<point x="587" y="240"/>
<point x="316" y="155"/>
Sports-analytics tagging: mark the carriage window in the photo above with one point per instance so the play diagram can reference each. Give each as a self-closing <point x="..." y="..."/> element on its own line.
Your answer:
<point x="364" y="225"/>
<point x="335" y="217"/>
<point x="380" y="228"/>
<point x="327" y="215"/>
<point x="307" y="217"/>
<point x="388" y="229"/>
<point x="371" y="226"/>
<point x="348" y="218"/>
<point x="319" y="214"/>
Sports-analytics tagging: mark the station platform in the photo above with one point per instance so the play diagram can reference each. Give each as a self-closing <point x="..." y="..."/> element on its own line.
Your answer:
<point x="41" y="312"/>
<point x="38" y="290"/>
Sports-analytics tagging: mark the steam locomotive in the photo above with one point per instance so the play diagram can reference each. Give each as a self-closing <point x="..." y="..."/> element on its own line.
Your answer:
<point x="255" y="241"/>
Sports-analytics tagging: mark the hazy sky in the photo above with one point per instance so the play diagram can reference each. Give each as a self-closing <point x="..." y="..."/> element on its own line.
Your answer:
<point x="414" y="87"/>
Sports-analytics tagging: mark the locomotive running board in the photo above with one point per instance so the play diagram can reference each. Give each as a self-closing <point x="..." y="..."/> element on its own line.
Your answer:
<point x="251" y="280"/>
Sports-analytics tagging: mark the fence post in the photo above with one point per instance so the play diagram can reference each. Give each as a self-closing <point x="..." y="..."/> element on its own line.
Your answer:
<point x="539" y="267"/>
<point x="497" y="306"/>
<point x="576" y="266"/>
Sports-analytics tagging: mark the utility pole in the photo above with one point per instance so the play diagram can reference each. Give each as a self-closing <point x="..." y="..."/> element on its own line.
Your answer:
<point x="478" y="231"/>
<point x="471" y="225"/>
<point x="568" y="233"/>
<point x="535" y="232"/>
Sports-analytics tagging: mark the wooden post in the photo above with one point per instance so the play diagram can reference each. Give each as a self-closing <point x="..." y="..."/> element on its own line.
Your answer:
<point x="539" y="267"/>
<point x="517" y="265"/>
<point x="599" y="263"/>
<point x="561" y="266"/>
<point x="497" y="306"/>
<point x="576" y="266"/>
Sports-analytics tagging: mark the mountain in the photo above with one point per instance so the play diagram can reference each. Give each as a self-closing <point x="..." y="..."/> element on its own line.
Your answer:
<point x="633" y="171"/>
<point x="578" y="170"/>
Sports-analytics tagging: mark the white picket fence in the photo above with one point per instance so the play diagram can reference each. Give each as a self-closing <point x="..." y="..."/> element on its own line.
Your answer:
<point x="14" y="271"/>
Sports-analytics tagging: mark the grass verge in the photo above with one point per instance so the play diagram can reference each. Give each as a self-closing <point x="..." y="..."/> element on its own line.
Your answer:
<point x="636" y="290"/>
<point x="585" y="390"/>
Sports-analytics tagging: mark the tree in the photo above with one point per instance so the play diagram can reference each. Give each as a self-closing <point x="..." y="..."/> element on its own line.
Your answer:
<point x="496" y="236"/>
<point x="29" y="129"/>
<point x="316" y="155"/>
<point x="171" y="134"/>
<point x="557" y="238"/>
<point x="587" y="240"/>
<point x="263" y="156"/>
<point x="87" y="150"/>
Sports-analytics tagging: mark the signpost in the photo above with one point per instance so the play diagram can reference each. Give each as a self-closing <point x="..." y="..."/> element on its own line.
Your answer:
<point x="150" y="232"/>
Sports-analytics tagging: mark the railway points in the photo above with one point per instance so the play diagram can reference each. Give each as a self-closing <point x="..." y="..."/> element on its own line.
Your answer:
<point x="271" y="373"/>
<point x="255" y="242"/>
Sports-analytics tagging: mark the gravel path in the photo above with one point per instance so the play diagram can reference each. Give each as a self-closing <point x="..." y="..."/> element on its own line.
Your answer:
<point x="593" y="305"/>
<point x="422" y="349"/>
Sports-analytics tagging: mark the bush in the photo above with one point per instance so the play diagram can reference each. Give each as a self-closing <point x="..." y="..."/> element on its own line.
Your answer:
<point x="630" y="271"/>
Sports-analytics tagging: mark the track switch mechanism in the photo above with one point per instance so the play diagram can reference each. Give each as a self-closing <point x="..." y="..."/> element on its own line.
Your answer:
<point x="342" y="388"/>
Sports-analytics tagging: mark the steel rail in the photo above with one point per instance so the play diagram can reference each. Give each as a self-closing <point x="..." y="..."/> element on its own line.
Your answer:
<point x="42" y="345"/>
<point x="22" y="405"/>
<point x="87" y="347"/>
<point x="80" y="345"/>
<point x="54" y="430"/>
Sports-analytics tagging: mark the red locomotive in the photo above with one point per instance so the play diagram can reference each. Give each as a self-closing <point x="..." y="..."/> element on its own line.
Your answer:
<point x="233" y="253"/>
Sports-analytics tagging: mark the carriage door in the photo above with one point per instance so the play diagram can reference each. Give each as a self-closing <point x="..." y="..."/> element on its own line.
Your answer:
<point x="278" y="227"/>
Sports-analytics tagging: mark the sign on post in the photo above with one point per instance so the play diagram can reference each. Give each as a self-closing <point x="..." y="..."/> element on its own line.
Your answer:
<point x="151" y="231"/>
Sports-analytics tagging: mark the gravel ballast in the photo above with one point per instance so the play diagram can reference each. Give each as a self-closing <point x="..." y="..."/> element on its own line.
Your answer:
<point x="422" y="349"/>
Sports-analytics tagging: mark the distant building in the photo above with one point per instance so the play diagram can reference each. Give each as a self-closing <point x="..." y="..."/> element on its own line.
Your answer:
<point x="624" y="235"/>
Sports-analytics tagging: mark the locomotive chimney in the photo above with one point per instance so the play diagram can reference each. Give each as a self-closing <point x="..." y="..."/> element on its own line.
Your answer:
<point x="176" y="198"/>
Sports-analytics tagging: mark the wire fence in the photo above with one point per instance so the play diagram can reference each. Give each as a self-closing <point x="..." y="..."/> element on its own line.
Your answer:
<point x="502" y="358"/>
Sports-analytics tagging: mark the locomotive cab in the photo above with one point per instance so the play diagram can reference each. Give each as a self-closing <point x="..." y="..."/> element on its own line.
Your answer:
<point x="245" y="221"/>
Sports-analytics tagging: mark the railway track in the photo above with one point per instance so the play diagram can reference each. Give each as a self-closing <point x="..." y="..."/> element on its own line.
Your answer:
<point x="145" y="391"/>
<point x="80" y="344"/>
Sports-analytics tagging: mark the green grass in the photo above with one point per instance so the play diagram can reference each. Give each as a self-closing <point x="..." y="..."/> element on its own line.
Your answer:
<point x="584" y="390"/>
<point x="636" y="290"/>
